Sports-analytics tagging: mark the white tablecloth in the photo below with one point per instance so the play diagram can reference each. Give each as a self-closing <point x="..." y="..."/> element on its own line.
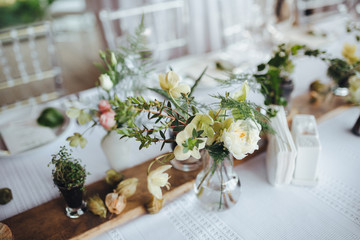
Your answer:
<point x="329" y="211"/>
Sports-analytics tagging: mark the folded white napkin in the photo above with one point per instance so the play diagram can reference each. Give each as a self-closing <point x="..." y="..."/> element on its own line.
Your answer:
<point x="281" y="152"/>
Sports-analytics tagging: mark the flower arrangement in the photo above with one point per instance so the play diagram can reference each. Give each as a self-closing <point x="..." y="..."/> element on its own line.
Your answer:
<point x="233" y="126"/>
<point x="340" y="70"/>
<point x="127" y="65"/>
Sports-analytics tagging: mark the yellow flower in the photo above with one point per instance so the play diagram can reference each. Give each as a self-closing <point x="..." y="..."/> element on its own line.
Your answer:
<point x="115" y="202"/>
<point x="127" y="188"/>
<point x="157" y="179"/>
<point x="219" y="128"/>
<point x="170" y="83"/>
<point x="204" y="122"/>
<point x="183" y="137"/>
<point x="348" y="52"/>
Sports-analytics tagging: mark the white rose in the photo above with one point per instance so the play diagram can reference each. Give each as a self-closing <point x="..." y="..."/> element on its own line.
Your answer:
<point x="241" y="138"/>
<point x="354" y="88"/>
<point x="105" y="82"/>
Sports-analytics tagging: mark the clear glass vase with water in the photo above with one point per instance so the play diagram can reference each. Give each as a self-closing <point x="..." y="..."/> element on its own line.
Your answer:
<point x="217" y="186"/>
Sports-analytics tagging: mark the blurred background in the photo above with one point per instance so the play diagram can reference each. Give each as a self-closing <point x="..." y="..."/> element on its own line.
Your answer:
<point x="174" y="28"/>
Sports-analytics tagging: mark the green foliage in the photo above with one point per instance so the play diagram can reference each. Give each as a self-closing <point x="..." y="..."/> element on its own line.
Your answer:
<point x="193" y="142"/>
<point x="133" y="60"/>
<point x="340" y="71"/>
<point x="68" y="172"/>
<point x="271" y="75"/>
<point x="354" y="27"/>
<point x="50" y="117"/>
<point x="246" y="110"/>
<point x="218" y="152"/>
<point x="22" y="12"/>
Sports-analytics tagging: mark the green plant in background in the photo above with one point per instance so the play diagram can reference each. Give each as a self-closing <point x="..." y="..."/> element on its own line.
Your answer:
<point x="273" y="76"/>
<point x="68" y="171"/>
<point x="340" y="70"/>
<point x="130" y="64"/>
<point x="17" y="12"/>
<point x="353" y="27"/>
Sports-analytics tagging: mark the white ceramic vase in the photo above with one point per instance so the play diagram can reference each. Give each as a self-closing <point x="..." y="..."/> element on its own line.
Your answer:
<point x="117" y="151"/>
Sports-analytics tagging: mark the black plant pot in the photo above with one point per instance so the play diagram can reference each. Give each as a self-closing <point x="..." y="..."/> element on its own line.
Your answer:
<point x="75" y="206"/>
<point x="287" y="87"/>
<point x="356" y="127"/>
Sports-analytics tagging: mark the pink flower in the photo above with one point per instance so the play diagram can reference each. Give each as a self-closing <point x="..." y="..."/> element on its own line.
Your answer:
<point x="104" y="106"/>
<point x="107" y="119"/>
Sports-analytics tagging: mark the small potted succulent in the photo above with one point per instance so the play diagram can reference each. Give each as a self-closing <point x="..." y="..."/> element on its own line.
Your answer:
<point x="69" y="176"/>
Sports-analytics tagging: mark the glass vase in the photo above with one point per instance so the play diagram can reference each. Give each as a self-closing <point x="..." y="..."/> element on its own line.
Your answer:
<point x="217" y="186"/>
<point x="75" y="206"/>
<point x="117" y="151"/>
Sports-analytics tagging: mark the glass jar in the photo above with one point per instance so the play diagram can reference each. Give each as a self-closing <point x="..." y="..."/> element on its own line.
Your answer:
<point x="75" y="206"/>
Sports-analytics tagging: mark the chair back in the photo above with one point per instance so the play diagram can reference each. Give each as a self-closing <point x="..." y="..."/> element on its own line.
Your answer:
<point x="29" y="71"/>
<point x="165" y="22"/>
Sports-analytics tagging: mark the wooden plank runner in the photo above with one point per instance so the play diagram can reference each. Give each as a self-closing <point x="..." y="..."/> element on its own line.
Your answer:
<point x="48" y="221"/>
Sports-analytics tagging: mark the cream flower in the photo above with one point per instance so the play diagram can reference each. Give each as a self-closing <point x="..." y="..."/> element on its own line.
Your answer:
<point x="115" y="202"/>
<point x="181" y="138"/>
<point x="170" y="83"/>
<point x="242" y="137"/>
<point x="157" y="179"/>
<point x="105" y="82"/>
<point x="242" y="93"/>
<point x="204" y="122"/>
<point x="354" y="88"/>
<point x="348" y="52"/>
<point x="127" y="188"/>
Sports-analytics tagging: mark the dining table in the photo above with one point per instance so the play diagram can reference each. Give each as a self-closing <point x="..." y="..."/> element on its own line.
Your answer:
<point x="328" y="210"/>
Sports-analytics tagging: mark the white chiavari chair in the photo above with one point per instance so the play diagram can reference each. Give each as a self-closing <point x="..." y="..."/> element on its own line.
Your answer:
<point x="29" y="71"/>
<point x="166" y="26"/>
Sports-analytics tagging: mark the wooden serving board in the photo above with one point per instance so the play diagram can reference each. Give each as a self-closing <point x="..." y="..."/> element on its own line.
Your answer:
<point x="48" y="221"/>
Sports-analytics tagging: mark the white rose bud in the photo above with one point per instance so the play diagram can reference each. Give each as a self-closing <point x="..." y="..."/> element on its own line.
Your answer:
<point x="113" y="59"/>
<point x="105" y="82"/>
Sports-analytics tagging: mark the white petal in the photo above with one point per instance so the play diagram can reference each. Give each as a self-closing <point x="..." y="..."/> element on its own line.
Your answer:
<point x="172" y="79"/>
<point x="155" y="190"/>
<point x="182" y="88"/>
<point x="160" y="170"/>
<point x="181" y="137"/>
<point x="195" y="153"/>
<point x="179" y="153"/>
<point x="163" y="84"/>
<point x="160" y="180"/>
